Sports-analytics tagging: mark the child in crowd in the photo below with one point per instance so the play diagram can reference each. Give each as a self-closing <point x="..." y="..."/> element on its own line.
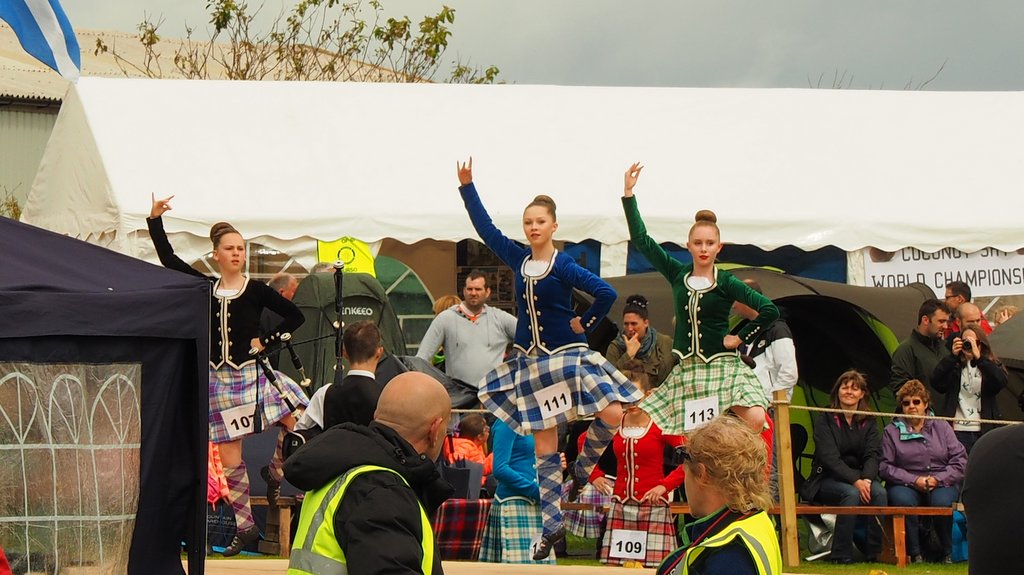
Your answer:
<point x="641" y="491"/>
<point x="514" y="521"/>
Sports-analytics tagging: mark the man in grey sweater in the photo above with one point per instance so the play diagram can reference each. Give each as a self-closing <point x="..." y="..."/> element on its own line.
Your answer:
<point x="473" y="334"/>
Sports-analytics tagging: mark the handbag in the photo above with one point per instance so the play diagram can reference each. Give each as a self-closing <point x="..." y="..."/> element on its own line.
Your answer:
<point x="464" y="476"/>
<point x="809" y="489"/>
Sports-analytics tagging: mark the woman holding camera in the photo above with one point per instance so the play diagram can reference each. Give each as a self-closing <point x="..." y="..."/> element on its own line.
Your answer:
<point x="971" y="378"/>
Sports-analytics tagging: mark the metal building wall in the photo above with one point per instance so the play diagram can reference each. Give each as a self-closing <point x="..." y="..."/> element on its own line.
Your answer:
<point x="23" y="135"/>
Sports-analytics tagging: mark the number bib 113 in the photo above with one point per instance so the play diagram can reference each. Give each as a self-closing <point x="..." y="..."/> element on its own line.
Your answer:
<point x="554" y="399"/>
<point x="628" y="544"/>
<point x="239" y="420"/>
<point x="700" y="412"/>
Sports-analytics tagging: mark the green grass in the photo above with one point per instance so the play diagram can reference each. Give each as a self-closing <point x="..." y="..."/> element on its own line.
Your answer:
<point x="865" y="568"/>
<point x="581" y="552"/>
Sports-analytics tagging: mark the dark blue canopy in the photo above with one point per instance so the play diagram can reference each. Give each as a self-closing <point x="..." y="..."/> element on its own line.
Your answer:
<point x="66" y="301"/>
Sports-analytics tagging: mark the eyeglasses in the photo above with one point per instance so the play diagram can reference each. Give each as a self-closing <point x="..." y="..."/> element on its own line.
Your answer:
<point x="681" y="455"/>
<point x="907" y="402"/>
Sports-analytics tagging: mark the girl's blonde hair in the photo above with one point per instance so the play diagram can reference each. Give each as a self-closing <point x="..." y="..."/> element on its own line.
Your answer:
<point x="705" y="218"/>
<point x="446" y="301"/>
<point x="219" y="230"/>
<point x="735" y="461"/>
<point x="545" y="202"/>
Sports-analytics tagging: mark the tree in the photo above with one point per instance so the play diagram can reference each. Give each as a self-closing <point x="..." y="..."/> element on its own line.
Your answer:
<point x="844" y="82"/>
<point x="9" y="206"/>
<point x="317" y="40"/>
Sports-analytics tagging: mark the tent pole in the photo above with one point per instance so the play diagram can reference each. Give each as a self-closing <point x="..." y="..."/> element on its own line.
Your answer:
<point x="787" y="489"/>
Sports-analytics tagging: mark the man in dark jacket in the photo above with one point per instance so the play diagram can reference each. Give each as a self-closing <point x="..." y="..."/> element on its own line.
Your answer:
<point x="918" y="355"/>
<point x="995" y="473"/>
<point x="383" y="482"/>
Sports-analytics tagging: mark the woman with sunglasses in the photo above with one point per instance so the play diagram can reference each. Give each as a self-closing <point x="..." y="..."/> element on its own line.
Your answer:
<point x="847" y="449"/>
<point x="922" y="464"/>
<point x="727" y="490"/>
<point x="971" y="378"/>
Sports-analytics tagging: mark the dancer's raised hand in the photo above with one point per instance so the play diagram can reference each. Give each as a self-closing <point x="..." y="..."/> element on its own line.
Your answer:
<point x="160" y="206"/>
<point x="632" y="175"/>
<point x="465" y="172"/>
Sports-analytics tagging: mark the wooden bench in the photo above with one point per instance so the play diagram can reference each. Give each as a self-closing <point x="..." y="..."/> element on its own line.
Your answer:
<point x="277" y="539"/>
<point x="894" y="528"/>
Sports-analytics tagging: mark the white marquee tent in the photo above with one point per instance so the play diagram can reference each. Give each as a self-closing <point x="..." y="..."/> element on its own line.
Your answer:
<point x="287" y="162"/>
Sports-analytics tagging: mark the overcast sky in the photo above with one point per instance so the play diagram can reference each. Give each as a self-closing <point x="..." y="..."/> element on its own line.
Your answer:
<point x="722" y="43"/>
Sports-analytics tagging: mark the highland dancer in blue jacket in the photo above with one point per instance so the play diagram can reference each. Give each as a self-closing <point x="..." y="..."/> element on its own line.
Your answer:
<point x="553" y="377"/>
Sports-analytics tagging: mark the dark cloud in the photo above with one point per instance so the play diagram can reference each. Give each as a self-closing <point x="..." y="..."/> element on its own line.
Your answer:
<point x="877" y="43"/>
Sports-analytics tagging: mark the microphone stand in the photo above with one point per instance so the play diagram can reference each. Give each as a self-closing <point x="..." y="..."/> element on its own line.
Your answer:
<point x="339" y="326"/>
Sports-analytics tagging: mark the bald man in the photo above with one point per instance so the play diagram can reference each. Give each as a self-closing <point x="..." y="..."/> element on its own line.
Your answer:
<point x="376" y="485"/>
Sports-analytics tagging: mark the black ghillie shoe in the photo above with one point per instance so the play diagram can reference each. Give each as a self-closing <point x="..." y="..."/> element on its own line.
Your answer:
<point x="578" y="482"/>
<point x="273" y="486"/>
<point x="241" y="540"/>
<point x="547" y="541"/>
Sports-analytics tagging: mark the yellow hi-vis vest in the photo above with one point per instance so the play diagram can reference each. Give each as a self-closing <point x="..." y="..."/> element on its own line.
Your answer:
<point x="757" y="534"/>
<point x="316" y="550"/>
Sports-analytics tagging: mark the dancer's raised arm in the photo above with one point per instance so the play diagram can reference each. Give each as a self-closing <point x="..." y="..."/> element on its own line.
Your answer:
<point x="632" y="175"/>
<point x="506" y="249"/>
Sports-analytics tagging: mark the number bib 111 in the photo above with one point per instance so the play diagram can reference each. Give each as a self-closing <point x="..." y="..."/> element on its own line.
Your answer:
<point x="239" y="420"/>
<point x="700" y="412"/>
<point x="628" y="544"/>
<point x="554" y="399"/>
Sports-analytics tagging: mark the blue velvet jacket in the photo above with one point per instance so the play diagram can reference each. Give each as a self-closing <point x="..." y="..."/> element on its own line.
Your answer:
<point x="544" y="307"/>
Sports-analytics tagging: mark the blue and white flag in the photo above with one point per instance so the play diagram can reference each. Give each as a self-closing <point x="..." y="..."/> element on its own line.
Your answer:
<point x="44" y="32"/>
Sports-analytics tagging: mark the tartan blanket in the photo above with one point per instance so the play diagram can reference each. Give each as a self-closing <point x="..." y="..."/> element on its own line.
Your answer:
<point x="459" y="527"/>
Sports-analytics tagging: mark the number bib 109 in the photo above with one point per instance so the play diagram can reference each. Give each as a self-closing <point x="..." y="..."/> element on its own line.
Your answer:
<point x="239" y="420"/>
<point x="628" y="544"/>
<point x="700" y="412"/>
<point x="554" y="399"/>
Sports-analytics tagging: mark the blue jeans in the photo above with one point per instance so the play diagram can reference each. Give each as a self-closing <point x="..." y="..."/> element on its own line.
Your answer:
<point x="903" y="496"/>
<point x="835" y="492"/>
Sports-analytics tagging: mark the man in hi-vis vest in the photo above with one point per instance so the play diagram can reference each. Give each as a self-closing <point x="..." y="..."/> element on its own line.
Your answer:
<point x="371" y="490"/>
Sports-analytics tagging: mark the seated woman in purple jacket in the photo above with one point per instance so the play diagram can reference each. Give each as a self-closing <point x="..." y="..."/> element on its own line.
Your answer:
<point x="923" y="464"/>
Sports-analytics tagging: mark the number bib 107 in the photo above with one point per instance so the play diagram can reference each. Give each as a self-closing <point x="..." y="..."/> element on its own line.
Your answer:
<point x="239" y="420"/>
<point x="628" y="544"/>
<point x="554" y="399"/>
<point x="700" y="412"/>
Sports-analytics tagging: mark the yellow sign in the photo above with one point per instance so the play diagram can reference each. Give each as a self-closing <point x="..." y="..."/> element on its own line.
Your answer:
<point x="355" y="254"/>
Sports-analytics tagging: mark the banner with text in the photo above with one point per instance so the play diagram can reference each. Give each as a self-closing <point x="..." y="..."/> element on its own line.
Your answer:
<point x="989" y="272"/>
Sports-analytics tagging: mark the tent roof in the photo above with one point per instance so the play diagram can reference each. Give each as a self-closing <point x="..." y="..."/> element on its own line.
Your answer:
<point x="1008" y="342"/>
<point x="55" y="285"/>
<point x="807" y="168"/>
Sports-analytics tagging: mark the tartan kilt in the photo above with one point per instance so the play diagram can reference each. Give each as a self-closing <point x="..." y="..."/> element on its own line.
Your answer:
<point x="230" y="387"/>
<point x="585" y="523"/>
<point x="726" y="377"/>
<point x="656" y="520"/>
<point x="510" y="391"/>
<point x="512" y="525"/>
